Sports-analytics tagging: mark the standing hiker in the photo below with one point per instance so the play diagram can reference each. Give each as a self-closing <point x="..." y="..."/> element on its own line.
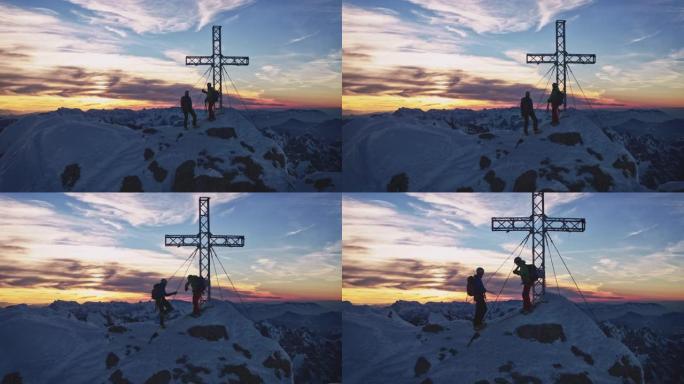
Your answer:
<point x="527" y="273"/>
<point x="212" y="98"/>
<point x="186" y="107"/>
<point x="476" y="289"/>
<point x="198" y="285"/>
<point x="555" y="99"/>
<point x="527" y="112"/>
<point x="162" y="305"/>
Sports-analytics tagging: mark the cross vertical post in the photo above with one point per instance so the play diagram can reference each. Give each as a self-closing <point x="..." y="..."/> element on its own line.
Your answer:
<point x="217" y="61"/>
<point x="561" y="58"/>
<point x="538" y="225"/>
<point x="204" y="241"/>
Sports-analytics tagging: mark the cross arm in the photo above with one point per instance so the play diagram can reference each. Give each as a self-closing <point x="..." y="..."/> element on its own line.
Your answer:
<point x="508" y="224"/>
<point x="234" y="60"/>
<point x="553" y="224"/>
<point x="199" y="60"/>
<point x="541" y="58"/>
<point x="581" y="58"/>
<point x="181" y="240"/>
<point x="227" y="241"/>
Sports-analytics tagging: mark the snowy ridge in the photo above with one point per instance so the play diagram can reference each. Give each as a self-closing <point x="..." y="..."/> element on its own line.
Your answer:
<point x="465" y="150"/>
<point x="121" y="343"/>
<point x="557" y="343"/>
<point x="149" y="150"/>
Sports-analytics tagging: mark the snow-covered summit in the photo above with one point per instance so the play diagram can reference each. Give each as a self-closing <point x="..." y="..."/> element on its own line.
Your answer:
<point x="557" y="343"/>
<point x="465" y="150"/>
<point x="122" y="343"/>
<point x="149" y="150"/>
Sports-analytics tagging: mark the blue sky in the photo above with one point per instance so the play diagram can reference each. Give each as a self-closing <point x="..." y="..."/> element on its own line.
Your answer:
<point x="464" y="49"/>
<point x="135" y="49"/>
<point x="292" y="244"/>
<point x="428" y="243"/>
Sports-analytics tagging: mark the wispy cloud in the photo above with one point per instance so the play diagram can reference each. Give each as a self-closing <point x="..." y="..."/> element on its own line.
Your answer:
<point x="640" y="231"/>
<point x="302" y="38"/>
<point x="644" y="37"/>
<point x="298" y="231"/>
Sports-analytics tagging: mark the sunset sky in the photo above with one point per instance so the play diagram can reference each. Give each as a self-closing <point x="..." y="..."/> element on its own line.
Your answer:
<point x="101" y="247"/>
<point x="445" y="54"/>
<point x="131" y="53"/>
<point x="423" y="246"/>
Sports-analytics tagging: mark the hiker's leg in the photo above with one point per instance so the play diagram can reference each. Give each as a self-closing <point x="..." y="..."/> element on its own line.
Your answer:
<point x="195" y="302"/>
<point x="527" y="304"/>
<point x="535" y="124"/>
<point x="194" y="117"/>
<point x="527" y="120"/>
<point x="185" y="119"/>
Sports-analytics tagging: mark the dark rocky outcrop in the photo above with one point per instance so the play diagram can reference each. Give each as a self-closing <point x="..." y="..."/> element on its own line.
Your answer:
<point x="485" y="162"/>
<point x="527" y="182"/>
<point x="398" y="183"/>
<point x="543" y="333"/>
<point x="222" y="133"/>
<point x="421" y="367"/>
<point x="148" y="154"/>
<point x="70" y="176"/>
<point x="161" y="377"/>
<point x="281" y="366"/>
<point x="112" y="360"/>
<point x="158" y="172"/>
<point x="245" y="376"/>
<point x="238" y="348"/>
<point x="495" y="184"/>
<point x="131" y="184"/>
<point x="566" y="138"/>
<point x="623" y="368"/>
<point x="601" y="181"/>
<point x="209" y="332"/>
<point x="276" y="158"/>
<point x="432" y="328"/>
<point x="579" y="353"/>
<point x="12" y="378"/>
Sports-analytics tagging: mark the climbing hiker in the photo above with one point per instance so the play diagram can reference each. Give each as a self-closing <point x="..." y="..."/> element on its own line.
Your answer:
<point x="198" y="285"/>
<point x="527" y="112"/>
<point x="555" y="100"/>
<point x="186" y="107"/>
<point x="159" y="296"/>
<point x="476" y="289"/>
<point x="527" y="273"/>
<point x="212" y="98"/>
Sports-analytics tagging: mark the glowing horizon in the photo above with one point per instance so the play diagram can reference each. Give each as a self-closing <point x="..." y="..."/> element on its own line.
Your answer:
<point x="88" y="54"/>
<point x="434" y="54"/>
<point x="110" y="247"/>
<point x="421" y="247"/>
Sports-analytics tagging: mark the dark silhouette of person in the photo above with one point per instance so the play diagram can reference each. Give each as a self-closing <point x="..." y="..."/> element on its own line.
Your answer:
<point x="162" y="305"/>
<point x="479" y="295"/>
<point x="186" y="107"/>
<point x="523" y="271"/>
<point x="212" y="98"/>
<point x="527" y="112"/>
<point x="555" y="99"/>
<point x="198" y="285"/>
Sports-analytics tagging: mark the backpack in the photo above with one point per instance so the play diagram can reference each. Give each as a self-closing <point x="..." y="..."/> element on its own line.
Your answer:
<point x="213" y="97"/>
<point x="470" y="289"/>
<point x="157" y="292"/>
<point x="533" y="273"/>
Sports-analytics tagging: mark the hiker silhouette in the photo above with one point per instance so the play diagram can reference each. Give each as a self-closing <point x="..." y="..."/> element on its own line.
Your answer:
<point x="527" y="275"/>
<point x="162" y="305"/>
<point x="211" y="99"/>
<point x="476" y="288"/>
<point x="198" y="285"/>
<point x="527" y="112"/>
<point x="555" y="100"/>
<point x="186" y="107"/>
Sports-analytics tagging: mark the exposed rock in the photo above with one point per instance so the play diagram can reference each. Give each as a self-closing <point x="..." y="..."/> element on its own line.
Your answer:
<point x="543" y="333"/>
<point x="574" y="378"/>
<point x="184" y="179"/>
<point x="527" y="182"/>
<point x="131" y="184"/>
<point x="222" y="133"/>
<point x="112" y="360"/>
<point x="595" y="154"/>
<point x="602" y="182"/>
<point x="252" y="170"/>
<point x="432" y="328"/>
<point x="485" y="162"/>
<point x="506" y="367"/>
<point x="276" y="158"/>
<point x="237" y="347"/>
<point x="118" y="378"/>
<point x="161" y="377"/>
<point x="117" y="329"/>
<point x="148" y="154"/>
<point x="628" y="167"/>
<point x="245" y="376"/>
<point x="486" y="136"/>
<point x="149" y="131"/>
<point x="322" y="184"/>
<point x="579" y="353"/>
<point x="464" y="189"/>
<point x="421" y="367"/>
<point x="70" y="176"/>
<point x="519" y="378"/>
<point x="158" y="172"/>
<point x="278" y="364"/>
<point x="495" y="184"/>
<point x="247" y="146"/>
<point x="398" y="183"/>
<point x="623" y="368"/>
<point x="426" y="381"/>
<point x="566" y="138"/>
<point x="209" y="332"/>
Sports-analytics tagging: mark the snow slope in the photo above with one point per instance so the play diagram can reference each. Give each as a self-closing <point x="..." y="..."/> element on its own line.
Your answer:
<point x="121" y="343"/>
<point x="148" y="150"/>
<point x="557" y="343"/>
<point x="464" y="150"/>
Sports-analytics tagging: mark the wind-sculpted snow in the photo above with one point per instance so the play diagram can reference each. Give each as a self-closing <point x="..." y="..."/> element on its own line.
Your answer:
<point x="463" y="150"/>
<point x="149" y="150"/>
<point x="122" y="343"/>
<point x="557" y="343"/>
